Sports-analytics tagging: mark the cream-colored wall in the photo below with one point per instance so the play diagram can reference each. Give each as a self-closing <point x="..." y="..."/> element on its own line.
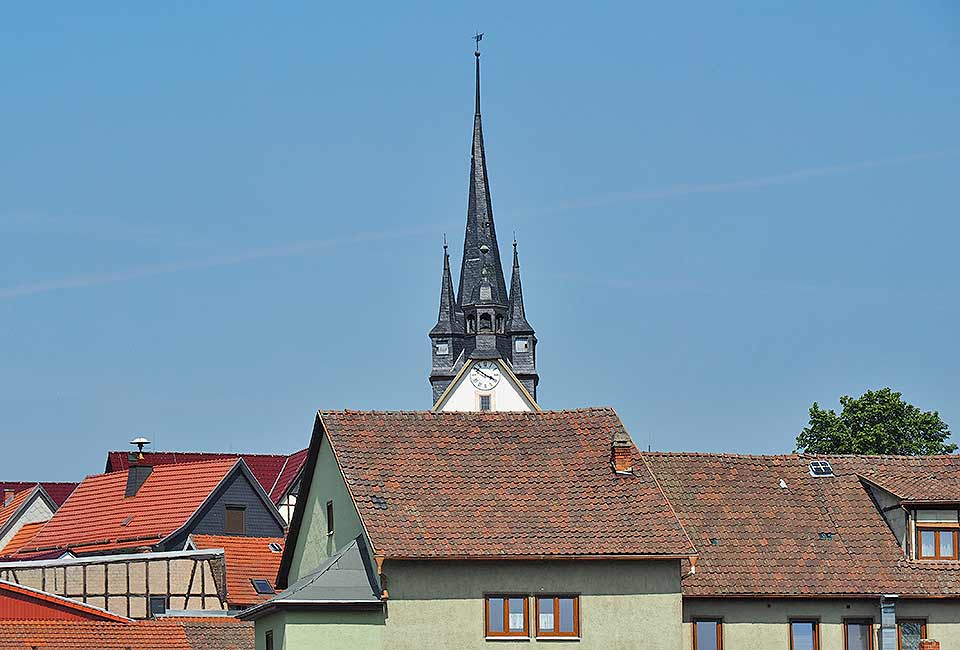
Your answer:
<point x="38" y="510"/>
<point x="506" y="395"/>
<point x="313" y="543"/>
<point x="764" y="623"/>
<point x="623" y="604"/>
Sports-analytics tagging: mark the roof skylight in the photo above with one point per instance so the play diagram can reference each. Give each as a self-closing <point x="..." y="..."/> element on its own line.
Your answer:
<point x="820" y="468"/>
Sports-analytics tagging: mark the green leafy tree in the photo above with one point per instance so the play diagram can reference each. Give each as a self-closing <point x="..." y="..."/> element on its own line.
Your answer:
<point x="877" y="422"/>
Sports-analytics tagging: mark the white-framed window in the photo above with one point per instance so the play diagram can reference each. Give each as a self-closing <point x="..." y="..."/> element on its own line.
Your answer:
<point x="521" y="345"/>
<point x="443" y="347"/>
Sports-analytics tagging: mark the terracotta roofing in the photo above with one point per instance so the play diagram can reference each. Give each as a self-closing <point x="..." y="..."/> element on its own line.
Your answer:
<point x="434" y="485"/>
<point x="912" y="478"/>
<point x="22" y="538"/>
<point x="83" y="635"/>
<point x="11" y="507"/>
<point x="97" y="517"/>
<point x="275" y="472"/>
<point x="58" y="492"/>
<point x="248" y="558"/>
<point x="757" y="538"/>
<point x="215" y="632"/>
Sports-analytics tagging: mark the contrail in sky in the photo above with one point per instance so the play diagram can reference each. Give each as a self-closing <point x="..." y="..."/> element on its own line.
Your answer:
<point x="95" y="279"/>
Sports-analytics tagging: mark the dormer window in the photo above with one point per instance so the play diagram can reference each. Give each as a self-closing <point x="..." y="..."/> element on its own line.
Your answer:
<point x="443" y="348"/>
<point x="937" y="534"/>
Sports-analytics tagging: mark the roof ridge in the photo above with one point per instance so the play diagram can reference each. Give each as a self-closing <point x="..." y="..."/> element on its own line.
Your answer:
<point x="203" y="453"/>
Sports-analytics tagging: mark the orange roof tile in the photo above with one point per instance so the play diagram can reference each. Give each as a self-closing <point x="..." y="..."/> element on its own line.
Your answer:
<point x="22" y="537"/>
<point x="11" y="507"/>
<point x="248" y="558"/>
<point x="92" y="519"/>
<point x="83" y="635"/>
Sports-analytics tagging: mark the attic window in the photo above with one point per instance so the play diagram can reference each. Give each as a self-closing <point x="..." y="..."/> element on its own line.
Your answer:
<point x="443" y="348"/>
<point x="484" y="402"/>
<point x="274" y="547"/>
<point x="826" y="536"/>
<point x="521" y="345"/>
<point x="262" y="587"/>
<point x="234" y="524"/>
<point x="127" y="520"/>
<point x="820" y="469"/>
<point x="937" y="532"/>
<point x="714" y="541"/>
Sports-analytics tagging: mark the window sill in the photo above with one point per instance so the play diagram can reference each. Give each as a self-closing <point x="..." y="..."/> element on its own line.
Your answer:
<point x="506" y="638"/>
<point x="557" y="638"/>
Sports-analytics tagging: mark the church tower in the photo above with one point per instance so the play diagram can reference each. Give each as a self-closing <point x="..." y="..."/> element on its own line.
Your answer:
<point x="484" y="349"/>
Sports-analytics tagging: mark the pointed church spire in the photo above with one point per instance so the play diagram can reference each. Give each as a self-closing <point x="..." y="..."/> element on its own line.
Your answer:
<point x="480" y="229"/>
<point x="517" y="318"/>
<point x="449" y="321"/>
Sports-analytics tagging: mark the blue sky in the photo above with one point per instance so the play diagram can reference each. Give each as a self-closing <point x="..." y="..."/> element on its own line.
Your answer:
<point x="217" y="217"/>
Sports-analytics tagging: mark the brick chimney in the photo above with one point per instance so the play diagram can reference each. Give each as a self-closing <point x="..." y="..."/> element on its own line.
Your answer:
<point x="927" y="644"/>
<point x="620" y="453"/>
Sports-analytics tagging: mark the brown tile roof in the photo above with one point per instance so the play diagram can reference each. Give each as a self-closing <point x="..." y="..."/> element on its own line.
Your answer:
<point x="216" y="632"/>
<point x="22" y="538"/>
<point x="912" y="478"/>
<point x="91" y="520"/>
<point x="434" y="485"/>
<point x="767" y="538"/>
<point x="84" y="635"/>
<point x="248" y="558"/>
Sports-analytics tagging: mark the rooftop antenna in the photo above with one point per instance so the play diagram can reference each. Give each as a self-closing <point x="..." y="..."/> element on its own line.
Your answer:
<point x="140" y="442"/>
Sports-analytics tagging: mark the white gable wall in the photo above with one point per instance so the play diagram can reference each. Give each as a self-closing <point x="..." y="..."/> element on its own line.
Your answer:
<point x="507" y="395"/>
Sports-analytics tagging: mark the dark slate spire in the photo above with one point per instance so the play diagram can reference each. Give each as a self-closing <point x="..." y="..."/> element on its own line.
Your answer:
<point x="480" y="229"/>
<point x="517" y="318"/>
<point x="449" y="321"/>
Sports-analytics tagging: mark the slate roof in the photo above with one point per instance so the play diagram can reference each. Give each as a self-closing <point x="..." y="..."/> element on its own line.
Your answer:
<point x="83" y="635"/>
<point x="247" y="558"/>
<point x="57" y="491"/>
<point x="346" y="577"/>
<point x="91" y="520"/>
<point x="766" y="538"/>
<point x="275" y="472"/>
<point x="22" y="538"/>
<point x="447" y="485"/>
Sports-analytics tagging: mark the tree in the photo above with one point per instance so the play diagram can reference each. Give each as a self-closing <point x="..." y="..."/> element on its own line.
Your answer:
<point x="877" y="422"/>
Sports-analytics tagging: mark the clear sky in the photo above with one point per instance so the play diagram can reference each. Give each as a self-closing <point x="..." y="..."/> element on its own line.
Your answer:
<point x="217" y="217"/>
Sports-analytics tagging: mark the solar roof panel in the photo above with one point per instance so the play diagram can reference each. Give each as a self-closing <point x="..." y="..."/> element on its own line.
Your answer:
<point x="820" y="468"/>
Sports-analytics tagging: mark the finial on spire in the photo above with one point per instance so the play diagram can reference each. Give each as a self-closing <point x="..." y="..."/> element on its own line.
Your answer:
<point x="478" y="37"/>
<point x="444" y="243"/>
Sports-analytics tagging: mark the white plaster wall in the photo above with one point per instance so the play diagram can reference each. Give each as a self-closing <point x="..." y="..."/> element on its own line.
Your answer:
<point x="506" y="396"/>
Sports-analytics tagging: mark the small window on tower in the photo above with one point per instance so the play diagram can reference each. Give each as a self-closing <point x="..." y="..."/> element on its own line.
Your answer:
<point x="521" y="345"/>
<point x="486" y="323"/>
<point x="499" y="324"/>
<point x="471" y="324"/>
<point x="443" y="348"/>
<point x="484" y="402"/>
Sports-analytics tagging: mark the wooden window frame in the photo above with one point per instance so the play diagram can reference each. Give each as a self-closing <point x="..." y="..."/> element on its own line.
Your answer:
<point x="857" y="621"/>
<point x="268" y="640"/>
<point x="937" y="529"/>
<point x="556" y="633"/>
<point x="507" y="633"/>
<point x="900" y="621"/>
<point x="708" y="619"/>
<point x="816" y="631"/>
<point x="243" y="518"/>
<point x="330" y="518"/>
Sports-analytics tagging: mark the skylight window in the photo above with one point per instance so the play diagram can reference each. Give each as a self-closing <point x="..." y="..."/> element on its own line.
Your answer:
<point x="274" y="547"/>
<point x="262" y="587"/>
<point x="820" y="468"/>
<point x="126" y="521"/>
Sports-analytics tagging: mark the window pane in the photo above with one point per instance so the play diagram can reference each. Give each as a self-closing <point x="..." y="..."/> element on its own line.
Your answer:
<point x="516" y="614"/>
<point x="566" y="615"/>
<point x="707" y="635"/>
<point x="495" y="608"/>
<point x="928" y="543"/>
<point x="858" y="636"/>
<point x="802" y="632"/>
<point x="946" y="543"/>
<point x="545" y="624"/>
<point x="910" y="635"/>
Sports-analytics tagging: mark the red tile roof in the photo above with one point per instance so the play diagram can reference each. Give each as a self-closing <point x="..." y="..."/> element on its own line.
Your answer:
<point x="9" y="508"/>
<point x="58" y="491"/>
<point x="22" y="538"/>
<point x="289" y="474"/>
<point x="912" y="478"/>
<point x="275" y="472"/>
<point x="91" y="520"/>
<point x="248" y="558"/>
<point x="215" y="632"/>
<point x="433" y="485"/>
<point x="756" y="538"/>
<point x="84" y="635"/>
<point x="23" y="603"/>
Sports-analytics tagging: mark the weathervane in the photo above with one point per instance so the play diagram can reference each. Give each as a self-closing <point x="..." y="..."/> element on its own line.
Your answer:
<point x="478" y="37"/>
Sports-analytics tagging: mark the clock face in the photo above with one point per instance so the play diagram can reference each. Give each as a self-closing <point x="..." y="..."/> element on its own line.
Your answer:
<point x="485" y="374"/>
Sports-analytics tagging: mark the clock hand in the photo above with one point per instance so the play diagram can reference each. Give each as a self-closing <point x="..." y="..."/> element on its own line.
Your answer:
<point x="484" y="374"/>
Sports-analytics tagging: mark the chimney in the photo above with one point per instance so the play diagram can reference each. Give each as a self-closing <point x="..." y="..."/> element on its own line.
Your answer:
<point x="620" y="453"/>
<point x="7" y="495"/>
<point x="139" y="471"/>
<point x="927" y="644"/>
